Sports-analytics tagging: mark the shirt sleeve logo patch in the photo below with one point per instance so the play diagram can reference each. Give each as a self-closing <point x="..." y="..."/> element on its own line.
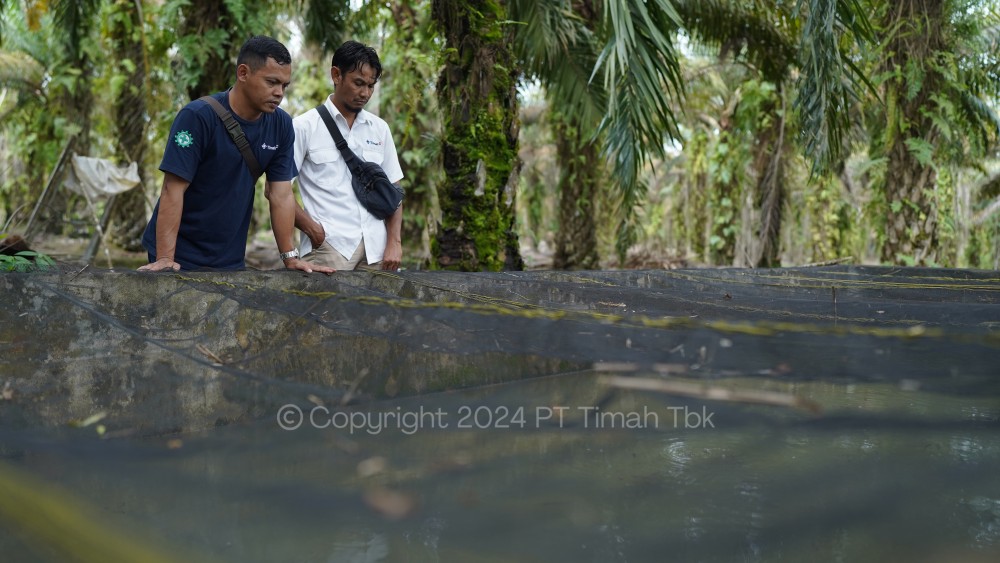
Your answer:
<point x="183" y="139"/>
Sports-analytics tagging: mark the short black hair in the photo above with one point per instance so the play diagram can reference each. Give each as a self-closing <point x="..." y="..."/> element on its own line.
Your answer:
<point x="255" y="52"/>
<point x="353" y="55"/>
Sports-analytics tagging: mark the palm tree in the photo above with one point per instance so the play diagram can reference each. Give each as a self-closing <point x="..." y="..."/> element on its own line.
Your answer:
<point x="559" y="48"/>
<point x="66" y="91"/>
<point x="127" y="37"/>
<point x="206" y="41"/>
<point x="328" y="23"/>
<point x="581" y="50"/>
<point x="477" y="93"/>
<point x="818" y="39"/>
<point x="25" y="68"/>
<point x="565" y="45"/>
<point x="938" y="70"/>
<point x="73" y="21"/>
<point x="410" y="107"/>
<point x="208" y="34"/>
<point x="762" y="39"/>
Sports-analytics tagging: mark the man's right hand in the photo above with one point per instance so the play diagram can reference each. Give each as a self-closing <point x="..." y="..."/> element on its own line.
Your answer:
<point x="160" y="265"/>
<point x="299" y="264"/>
<point x="316" y="234"/>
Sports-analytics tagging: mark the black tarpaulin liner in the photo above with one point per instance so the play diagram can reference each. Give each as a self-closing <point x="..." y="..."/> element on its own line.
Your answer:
<point x="855" y="410"/>
<point x="243" y="342"/>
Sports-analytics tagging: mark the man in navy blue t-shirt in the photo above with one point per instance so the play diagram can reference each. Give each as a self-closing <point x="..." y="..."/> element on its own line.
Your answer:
<point x="202" y="218"/>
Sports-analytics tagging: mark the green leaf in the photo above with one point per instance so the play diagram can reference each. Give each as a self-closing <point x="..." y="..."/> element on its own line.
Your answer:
<point x="922" y="150"/>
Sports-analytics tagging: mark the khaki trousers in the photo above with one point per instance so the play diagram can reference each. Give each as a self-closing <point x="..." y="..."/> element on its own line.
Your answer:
<point x="326" y="255"/>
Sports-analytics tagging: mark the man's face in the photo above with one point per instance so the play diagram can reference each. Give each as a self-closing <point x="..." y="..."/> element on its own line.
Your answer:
<point x="353" y="90"/>
<point x="266" y="86"/>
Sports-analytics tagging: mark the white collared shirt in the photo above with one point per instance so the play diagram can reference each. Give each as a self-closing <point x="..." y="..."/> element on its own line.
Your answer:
<point x="325" y="182"/>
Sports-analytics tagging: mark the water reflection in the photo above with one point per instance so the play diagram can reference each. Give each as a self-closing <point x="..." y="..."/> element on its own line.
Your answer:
<point x="986" y="530"/>
<point x="878" y="476"/>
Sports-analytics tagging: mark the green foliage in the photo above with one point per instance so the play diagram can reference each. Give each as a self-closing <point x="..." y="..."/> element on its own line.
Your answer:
<point x="538" y="198"/>
<point x="760" y="35"/>
<point x="823" y="92"/>
<point x="641" y="65"/>
<point x="616" y="67"/>
<point x="34" y="127"/>
<point x="826" y="203"/>
<point x="727" y="163"/>
<point x="25" y="261"/>
<point x="326" y="23"/>
<point x="408" y="103"/>
<point x="205" y="40"/>
<point x="922" y="150"/>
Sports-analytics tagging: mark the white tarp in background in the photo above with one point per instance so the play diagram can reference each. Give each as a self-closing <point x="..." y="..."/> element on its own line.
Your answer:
<point x="98" y="178"/>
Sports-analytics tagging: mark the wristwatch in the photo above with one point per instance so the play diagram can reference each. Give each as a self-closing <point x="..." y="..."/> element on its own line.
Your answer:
<point x="293" y="253"/>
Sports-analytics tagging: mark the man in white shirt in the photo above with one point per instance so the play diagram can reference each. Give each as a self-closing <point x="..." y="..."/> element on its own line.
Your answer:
<point x="337" y="230"/>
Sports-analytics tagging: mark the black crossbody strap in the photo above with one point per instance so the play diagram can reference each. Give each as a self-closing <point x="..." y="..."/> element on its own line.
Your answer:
<point x="338" y="139"/>
<point x="236" y="133"/>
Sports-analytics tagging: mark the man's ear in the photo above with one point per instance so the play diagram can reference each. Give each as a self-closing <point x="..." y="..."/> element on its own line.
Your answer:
<point x="335" y="75"/>
<point x="242" y="72"/>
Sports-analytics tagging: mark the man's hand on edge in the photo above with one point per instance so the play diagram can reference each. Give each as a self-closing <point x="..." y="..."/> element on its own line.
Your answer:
<point x="302" y="265"/>
<point x="160" y="265"/>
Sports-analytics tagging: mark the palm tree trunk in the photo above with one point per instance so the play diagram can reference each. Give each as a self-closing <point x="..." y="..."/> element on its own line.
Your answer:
<point x="414" y="117"/>
<point x="911" y="222"/>
<point x="769" y="163"/>
<point x="215" y="72"/>
<point x="477" y="93"/>
<point x="576" y="238"/>
<point x="128" y="214"/>
<point x="911" y="229"/>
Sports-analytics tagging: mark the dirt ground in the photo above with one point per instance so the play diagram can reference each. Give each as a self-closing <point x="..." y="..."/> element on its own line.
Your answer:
<point x="262" y="255"/>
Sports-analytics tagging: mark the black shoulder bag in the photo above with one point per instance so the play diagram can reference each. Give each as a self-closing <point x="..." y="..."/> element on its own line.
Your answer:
<point x="236" y="132"/>
<point x="374" y="190"/>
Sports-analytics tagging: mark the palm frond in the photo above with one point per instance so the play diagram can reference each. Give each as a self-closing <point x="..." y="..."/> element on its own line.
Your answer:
<point x="642" y="74"/>
<point x="557" y="47"/>
<point x="827" y="86"/>
<point x="641" y="71"/>
<point x="73" y="18"/>
<point x="326" y="23"/>
<point x="982" y="119"/>
<point x="852" y="17"/>
<point x="761" y="34"/>
<point x="547" y="30"/>
<point x="981" y="52"/>
<point x="20" y="71"/>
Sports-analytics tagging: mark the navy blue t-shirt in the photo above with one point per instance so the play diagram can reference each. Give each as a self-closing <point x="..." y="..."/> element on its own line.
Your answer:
<point x="219" y="200"/>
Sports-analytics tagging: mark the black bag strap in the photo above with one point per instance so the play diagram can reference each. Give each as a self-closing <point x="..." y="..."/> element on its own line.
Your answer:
<point x="236" y="133"/>
<point x="338" y="139"/>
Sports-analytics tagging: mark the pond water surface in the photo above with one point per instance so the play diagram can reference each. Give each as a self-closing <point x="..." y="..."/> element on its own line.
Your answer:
<point x="884" y="472"/>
